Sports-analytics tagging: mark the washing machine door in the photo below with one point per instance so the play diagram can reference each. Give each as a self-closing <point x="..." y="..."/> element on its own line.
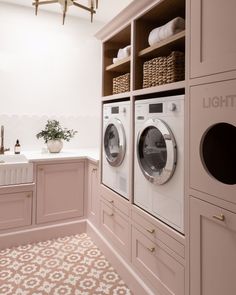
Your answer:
<point x="156" y="151"/>
<point x="114" y="142"/>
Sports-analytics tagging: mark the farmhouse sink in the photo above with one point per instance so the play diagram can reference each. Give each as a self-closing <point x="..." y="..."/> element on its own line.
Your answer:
<point x="15" y="169"/>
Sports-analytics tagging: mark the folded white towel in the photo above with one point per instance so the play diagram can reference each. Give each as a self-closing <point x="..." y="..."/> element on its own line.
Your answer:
<point x="115" y="59"/>
<point x="122" y="53"/>
<point x="174" y="26"/>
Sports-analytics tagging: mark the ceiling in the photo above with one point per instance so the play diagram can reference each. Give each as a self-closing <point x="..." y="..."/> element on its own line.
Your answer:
<point x="107" y="9"/>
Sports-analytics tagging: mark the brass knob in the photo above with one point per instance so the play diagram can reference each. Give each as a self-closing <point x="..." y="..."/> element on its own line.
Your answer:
<point x="28" y="196"/>
<point x="111" y="214"/>
<point x="94" y="169"/>
<point x="151" y="231"/>
<point x="220" y="217"/>
<point x="111" y="201"/>
<point x="152" y="249"/>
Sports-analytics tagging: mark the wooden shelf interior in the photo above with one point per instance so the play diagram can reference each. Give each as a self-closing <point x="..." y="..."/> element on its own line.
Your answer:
<point x="110" y="50"/>
<point x="120" y="66"/>
<point x="159" y="15"/>
<point x="163" y="12"/>
<point x="164" y="47"/>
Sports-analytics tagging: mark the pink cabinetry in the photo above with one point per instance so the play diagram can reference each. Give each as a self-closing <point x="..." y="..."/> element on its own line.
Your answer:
<point x="213" y="30"/>
<point x="93" y="193"/>
<point x="15" y="209"/>
<point x="212" y="249"/>
<point x="116" y="227"/>
<point x="157" y="256"/>
<point x="60" y="191"/>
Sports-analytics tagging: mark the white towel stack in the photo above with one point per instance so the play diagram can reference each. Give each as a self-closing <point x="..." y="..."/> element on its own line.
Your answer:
<point x="173" y="27"/>
<point x="122" y="53"/>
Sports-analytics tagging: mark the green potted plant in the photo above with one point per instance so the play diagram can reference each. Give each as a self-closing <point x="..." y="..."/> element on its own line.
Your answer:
<point x="53" y="134"/>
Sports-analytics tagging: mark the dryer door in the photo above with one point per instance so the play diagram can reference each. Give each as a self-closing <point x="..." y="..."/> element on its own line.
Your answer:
<point x="114" y="142"/>
<point x="156" y="151"/>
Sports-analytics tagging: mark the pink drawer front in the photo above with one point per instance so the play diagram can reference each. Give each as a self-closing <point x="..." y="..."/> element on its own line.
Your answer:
<point x="163" y="272"/>
<point x="15" y="210"/>
<point x="116" y="228"/>
<point x="114" y="199"/>
<point x="155" y="233"/>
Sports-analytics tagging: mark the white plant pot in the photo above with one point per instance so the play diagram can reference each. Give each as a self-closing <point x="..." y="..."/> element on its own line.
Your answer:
<point x="55" y="146"/>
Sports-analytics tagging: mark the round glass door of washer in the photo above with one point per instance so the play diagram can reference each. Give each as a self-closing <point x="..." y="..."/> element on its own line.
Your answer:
<point x="156" y="151"/>
<point x="114" y="142"/>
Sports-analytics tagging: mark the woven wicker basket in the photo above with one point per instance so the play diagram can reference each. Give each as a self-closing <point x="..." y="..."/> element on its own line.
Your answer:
<point x="121" y="83"/>
<point x="164" y="69"/>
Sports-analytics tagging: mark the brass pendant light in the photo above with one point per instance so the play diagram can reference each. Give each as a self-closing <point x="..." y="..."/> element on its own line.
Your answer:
<point x="65" y="4"/>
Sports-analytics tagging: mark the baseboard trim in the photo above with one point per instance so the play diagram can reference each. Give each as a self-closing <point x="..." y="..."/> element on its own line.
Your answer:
<point x="41" y="233"/>
<point x="123" y="268"/>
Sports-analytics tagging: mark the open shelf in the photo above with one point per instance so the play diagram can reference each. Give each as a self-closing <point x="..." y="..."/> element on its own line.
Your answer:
<point x="120" y="66"/>
<point x="160" y="88"/>
<point x="116" y="96"/>
<point x="175" y="42"/>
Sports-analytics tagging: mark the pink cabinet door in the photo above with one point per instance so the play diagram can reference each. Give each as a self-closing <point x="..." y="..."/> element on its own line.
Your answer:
<point x="60" y="191"/>
<point x="212" y="249"/>
<point x="213" y="31"/>
<point x="115" y="226"/>
<point x="15" y="210"/>
<point x="93" y="193"/>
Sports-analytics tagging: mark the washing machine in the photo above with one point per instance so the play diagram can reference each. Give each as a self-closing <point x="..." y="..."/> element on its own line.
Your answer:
<point x="159" y="158"/>
<point x="213" y="139"/>
<point x="115" y="152"/>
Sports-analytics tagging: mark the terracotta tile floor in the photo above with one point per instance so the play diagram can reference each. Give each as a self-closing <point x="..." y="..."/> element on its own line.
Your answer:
<point x="64" y="266"/>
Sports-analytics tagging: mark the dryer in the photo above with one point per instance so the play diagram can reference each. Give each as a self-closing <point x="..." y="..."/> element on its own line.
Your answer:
<point x="115" y="151"/>
<point x="159" y="158"/>
<point x="213" y="139"/>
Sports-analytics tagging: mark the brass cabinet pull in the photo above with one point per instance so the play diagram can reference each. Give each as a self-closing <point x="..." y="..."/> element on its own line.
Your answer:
<point x="220" y="217"/>
<point x="111" y="214"/>
<point x="152" y="249"/>
<point x="111" y="201"/>
<point x="94" y="169"/>
<point x="28" y="196"/>
<point x="151" y="231"/>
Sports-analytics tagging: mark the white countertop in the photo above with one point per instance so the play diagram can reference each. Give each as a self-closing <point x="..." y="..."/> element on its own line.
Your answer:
<point x="36" y="156"/>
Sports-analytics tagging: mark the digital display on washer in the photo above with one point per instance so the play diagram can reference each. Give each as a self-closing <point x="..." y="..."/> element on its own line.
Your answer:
<point x="115" y="110"/>
<point x="156" y="108"/>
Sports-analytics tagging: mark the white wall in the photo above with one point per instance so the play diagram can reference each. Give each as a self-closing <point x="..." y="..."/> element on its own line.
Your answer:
<point x="48" y="71"/>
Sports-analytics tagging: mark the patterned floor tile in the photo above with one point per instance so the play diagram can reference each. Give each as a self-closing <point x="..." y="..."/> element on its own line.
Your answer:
<point x="65" y="266"/>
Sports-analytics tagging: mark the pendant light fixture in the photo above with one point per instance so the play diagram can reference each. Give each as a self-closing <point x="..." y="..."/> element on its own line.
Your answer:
<point x="66" y="3"/>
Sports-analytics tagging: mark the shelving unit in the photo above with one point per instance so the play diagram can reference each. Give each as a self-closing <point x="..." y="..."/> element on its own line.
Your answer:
<point x="110" y="50"/>
<point x="139" y="28"/>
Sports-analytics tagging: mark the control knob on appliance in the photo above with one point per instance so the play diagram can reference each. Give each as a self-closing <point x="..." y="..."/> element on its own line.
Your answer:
<point x="172" y="107"/>
<point x="124" y="110"/>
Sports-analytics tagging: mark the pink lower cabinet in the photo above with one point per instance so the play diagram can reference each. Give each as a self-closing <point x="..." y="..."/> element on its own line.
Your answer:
<point x="60" y="191"/>
<point x="116" y="228"/>
<point x="93" y="193"/>
<point x="155" y="263"/>
<point x="15" y="210"/>
<point x="212" y="249"/>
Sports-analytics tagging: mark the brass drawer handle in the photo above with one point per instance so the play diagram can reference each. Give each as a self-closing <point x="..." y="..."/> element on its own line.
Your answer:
<point x="111" y="214"/>
<point x="111" y="201"/>
<point x="151" y="231"/>
<point x="220" y="217"/>
<point x="94" y="169"/>
<point x="152" y="249"/>
<point x="28" y="196"/>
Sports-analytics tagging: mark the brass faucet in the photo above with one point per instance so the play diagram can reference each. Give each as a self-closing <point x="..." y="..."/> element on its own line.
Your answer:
<point x="2" y="149"/>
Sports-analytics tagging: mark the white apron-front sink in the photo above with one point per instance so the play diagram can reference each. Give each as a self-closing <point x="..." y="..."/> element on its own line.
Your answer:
<point x="15" y="169"/>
